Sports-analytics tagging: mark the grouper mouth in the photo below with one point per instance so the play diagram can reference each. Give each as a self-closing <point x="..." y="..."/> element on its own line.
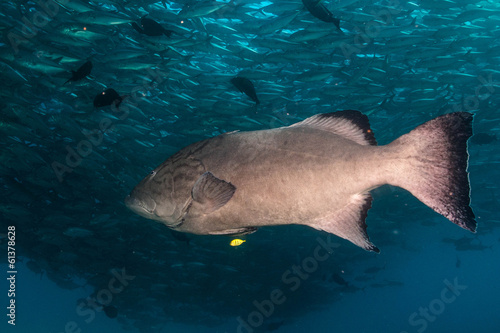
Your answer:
<point x="144" y="206"/>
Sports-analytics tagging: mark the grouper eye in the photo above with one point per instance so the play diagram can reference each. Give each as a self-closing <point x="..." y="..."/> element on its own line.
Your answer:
<point x="152" y="173"/>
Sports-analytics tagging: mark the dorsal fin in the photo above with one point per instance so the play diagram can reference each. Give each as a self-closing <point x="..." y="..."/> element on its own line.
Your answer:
<point x="350" y="124"/>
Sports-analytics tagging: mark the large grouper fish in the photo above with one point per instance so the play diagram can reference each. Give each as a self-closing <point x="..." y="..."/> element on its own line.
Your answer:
<point x="318" y="172"/>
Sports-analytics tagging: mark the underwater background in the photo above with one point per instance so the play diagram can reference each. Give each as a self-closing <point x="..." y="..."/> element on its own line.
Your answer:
<point x="82" y="262"/>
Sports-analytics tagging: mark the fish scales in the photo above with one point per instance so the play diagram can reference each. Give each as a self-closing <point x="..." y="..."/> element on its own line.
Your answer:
<point x="278" y="170"/>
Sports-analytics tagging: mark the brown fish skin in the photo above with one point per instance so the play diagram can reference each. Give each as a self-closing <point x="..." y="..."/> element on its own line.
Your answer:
<point x="266" y="194"/>
<point x="317" y="172"/>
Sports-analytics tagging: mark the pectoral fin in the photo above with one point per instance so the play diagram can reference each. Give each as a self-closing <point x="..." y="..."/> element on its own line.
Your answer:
<point x="210" y="193"/>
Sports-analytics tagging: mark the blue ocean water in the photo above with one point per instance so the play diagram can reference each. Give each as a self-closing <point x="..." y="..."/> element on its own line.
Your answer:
<point x="71" y="150"/>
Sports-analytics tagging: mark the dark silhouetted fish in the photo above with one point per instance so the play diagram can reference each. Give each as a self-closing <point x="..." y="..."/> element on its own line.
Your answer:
<point x="318" y="172"/>
<point x="464" y="241"/>
<point x="373" y="270"/>
<point x="466" y="244"/>
<point x="363" y="278"/>
<point x="387" y="283"/>
<point x="244" y="85"/>
<point x="81" y="72"/>
<point x="338" y="279"/>
<point x="150" y="27"/>
<point x="107" y="97"/>
<point x="317" y="9"/>
<point x="109" y="310"/>
<point x="483" y="138"/>
<point x="472" y="247"/>
<point x="394" y="283"/>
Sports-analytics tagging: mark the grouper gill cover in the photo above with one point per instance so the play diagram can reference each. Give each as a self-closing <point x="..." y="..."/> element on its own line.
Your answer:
<point x="249" y="166"/>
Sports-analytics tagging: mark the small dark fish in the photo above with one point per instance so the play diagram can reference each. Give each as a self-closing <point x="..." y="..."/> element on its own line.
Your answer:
<point x="110" y="311"/>
<point x="394" y="283"/>
<point x="373" y="270"/>
<point x="363" y="278"/>
<point x="464" y="241"/>
<point x="81" y="72"/>
<point x="107" y="97"/>
<point x="180" y="236"/>
<point x="317" y="9"/>
<point x="351" y="289"/>
<point x="338" y="279"/>
<point x="472" y="247"/>
<point x="483" y="138"/>
<point x="387" y="283"/>
<point x="466" y="244"/>
<point x="245" y="86"/>
<point x="274" y="326"/>
<point x="150" y="27"/>
<point x="458" y="263"/>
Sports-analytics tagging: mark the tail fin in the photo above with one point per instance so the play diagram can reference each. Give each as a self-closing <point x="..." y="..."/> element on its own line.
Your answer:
<point x="436" y="159"/>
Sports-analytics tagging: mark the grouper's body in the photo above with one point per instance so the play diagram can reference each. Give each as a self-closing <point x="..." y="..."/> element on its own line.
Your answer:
<point x="317" y="172"/>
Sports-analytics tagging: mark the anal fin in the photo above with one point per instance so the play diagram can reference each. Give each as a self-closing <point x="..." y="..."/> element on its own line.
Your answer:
<point x="349" y="222"/>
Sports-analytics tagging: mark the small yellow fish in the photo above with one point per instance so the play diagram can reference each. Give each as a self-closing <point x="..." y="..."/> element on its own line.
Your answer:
<point x="237" y="242"/>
